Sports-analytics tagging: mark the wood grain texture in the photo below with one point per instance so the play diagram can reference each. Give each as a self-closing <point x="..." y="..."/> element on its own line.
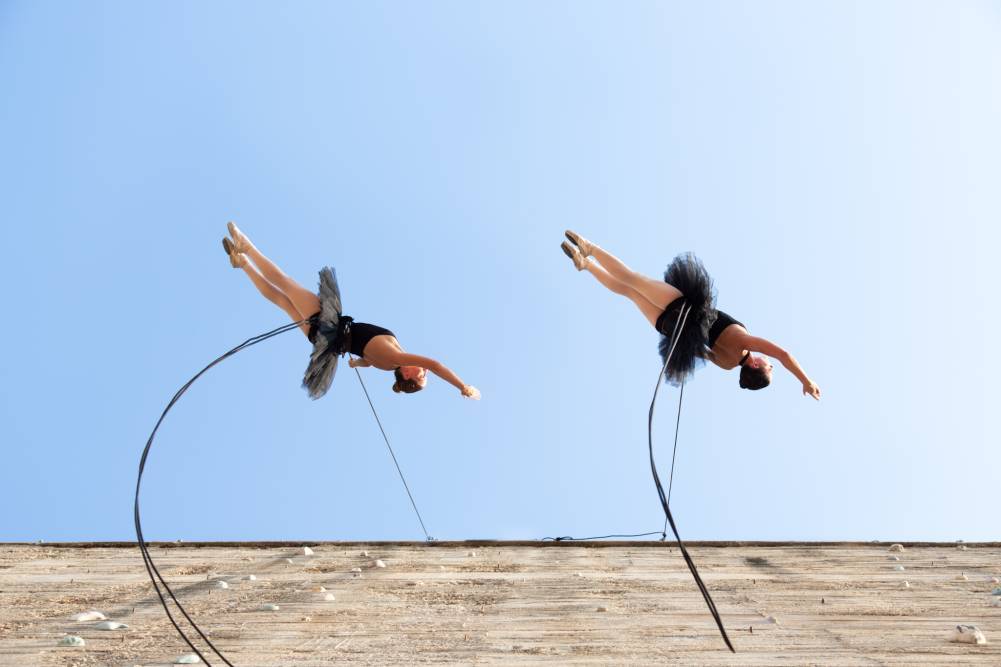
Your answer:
<point x="506" y="603"/>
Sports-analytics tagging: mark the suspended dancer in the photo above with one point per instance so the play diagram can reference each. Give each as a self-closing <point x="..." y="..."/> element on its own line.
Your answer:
<point x="708" y="333"/>
<point x="332" y="333"/>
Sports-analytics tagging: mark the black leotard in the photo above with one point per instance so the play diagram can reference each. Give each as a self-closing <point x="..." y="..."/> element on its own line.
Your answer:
<point x="722" y="322"/>
<point x="361" y="333"/>
<point x="351" y="336"/>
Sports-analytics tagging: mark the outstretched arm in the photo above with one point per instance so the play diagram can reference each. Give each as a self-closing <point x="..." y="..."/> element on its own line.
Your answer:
<point x="439" y="369"/>
<point x="765" y="346"/>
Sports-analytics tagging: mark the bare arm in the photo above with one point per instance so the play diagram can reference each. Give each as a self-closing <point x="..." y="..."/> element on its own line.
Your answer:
<point x="439" y="369"/>
<point x="765" y="346"/>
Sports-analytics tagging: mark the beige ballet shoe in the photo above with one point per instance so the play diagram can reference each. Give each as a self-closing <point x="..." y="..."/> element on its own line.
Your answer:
<point x="236" y="259"/>
<point x="582" y="243"/>
<point x="579" y="261"/>
<point x="240" y="240"/>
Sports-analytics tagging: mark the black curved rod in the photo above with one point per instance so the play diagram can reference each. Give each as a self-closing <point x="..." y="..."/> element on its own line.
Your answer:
<point x="151" y="569"/>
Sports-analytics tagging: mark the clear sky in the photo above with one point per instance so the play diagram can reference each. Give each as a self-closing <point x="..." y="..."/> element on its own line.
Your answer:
<point x="836" y="165"/>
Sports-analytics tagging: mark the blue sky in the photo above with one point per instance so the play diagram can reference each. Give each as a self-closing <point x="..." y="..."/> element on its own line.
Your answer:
<point x="834" y="164"/>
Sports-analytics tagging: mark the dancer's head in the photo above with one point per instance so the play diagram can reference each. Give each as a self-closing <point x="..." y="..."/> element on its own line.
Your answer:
<point x="755" y="373"/>
<point x="410" y="379"/>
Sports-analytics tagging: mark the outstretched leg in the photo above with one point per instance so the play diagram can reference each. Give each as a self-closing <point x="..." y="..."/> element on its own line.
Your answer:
<point x="274" y="295"/>
<point x="655" y="291"/>
<point x="650" y="310"/>
<point x="306" y="302"/>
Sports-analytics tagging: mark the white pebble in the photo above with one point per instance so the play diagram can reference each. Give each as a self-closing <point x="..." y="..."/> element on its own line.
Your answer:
<point x="72" y="640"/>
<point x="772" y="619"/>
<point x="995" y="580"/>
<point x="356" y="570"/>
<point x="270" y="607"/>
<point x="471" y="554"/>
<point x="250" y="577"/>
<point x="85" y="616"/>
<point x="221" y="584"/>
<point x="364" y="554"/>
<point x="111" y="625"/>
<point x="320" y="589"/>
<point x="962" y="577"/>
<point x="896" y="547"/>
<point x="306" y="551"/>
<point x="899" y="568"/>
<point x="961" y="547"/>
<point x="379" y="563"/>
<point x="907" y="584"/>
<point x="290" y="561"/>
<point x="187" y="659"/>
<point x="579" y="574"/>
<point x="329" y="597"/>
<point x="968" y="634"/>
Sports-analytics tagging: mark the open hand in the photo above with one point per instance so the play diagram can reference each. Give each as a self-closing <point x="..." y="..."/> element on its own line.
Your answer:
<point x="811" y="389"/>
<point x="354" y="362"/>
<point x="469" y="391"/>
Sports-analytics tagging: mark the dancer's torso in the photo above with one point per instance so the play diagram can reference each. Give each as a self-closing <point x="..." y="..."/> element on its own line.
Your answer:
<point x="724" y="340"/>
<point x="362" y="334"/>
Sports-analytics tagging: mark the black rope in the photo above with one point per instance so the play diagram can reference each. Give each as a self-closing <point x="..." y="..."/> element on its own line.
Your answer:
<point x="151" y="569"/>
<point x="393" y="454"/>
<point x="155" y="574"/>
<point x="663" y="533"/>
<point x="568" y="538"/>
<point x="677" y="424"/>
<point x="679" y="326"/>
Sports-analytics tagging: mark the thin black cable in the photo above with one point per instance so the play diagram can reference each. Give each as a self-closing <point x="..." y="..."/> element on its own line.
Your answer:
<point x="393" y="454"/>
<point x="677" y="425"/>
<point x="568" y="538"/>
<point x="679" y="327"/>
<point x="151" y="569"/>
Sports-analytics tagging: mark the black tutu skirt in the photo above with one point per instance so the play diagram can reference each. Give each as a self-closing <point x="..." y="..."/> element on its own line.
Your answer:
<point x="687" y="274"/>
<point x="329" y="332"/>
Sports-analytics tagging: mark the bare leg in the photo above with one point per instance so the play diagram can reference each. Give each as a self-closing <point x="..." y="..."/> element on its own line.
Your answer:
<point x="651" y="311"/>
<point x="304" y="301"/>
<point x="274" y="295"/>
<point x="655" y="291"/>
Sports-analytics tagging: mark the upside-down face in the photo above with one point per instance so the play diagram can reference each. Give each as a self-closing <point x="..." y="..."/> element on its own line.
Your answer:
<point x="416" y="373"/>
<point x="410" y="379"/>
<point x="756" y="373"/>
<point x="760" y="362"/>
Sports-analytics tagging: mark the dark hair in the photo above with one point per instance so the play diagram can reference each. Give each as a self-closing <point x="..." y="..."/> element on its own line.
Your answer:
<point x="405" y="385"/>
<point x="753" y="378"/>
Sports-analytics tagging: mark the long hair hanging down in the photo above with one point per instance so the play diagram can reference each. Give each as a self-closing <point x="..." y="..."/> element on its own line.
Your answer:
<point x="687" y="273"/>
<point x="328" y="337"/>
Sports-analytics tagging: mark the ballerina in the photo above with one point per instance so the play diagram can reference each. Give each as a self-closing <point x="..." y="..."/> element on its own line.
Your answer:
<point x="332" y="333"/>
<point x="707" y="333"/>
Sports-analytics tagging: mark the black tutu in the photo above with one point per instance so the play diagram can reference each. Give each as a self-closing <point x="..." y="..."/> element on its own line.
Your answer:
<point x="329" y="332"/>
<point x="688" y="274"/>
